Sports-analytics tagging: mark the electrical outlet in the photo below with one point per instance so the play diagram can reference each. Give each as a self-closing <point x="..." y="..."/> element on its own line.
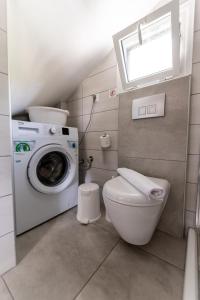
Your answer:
<point x="112" y="93"/>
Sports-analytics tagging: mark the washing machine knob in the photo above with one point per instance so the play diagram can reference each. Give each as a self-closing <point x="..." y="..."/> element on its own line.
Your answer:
<point x="52" y="130"/>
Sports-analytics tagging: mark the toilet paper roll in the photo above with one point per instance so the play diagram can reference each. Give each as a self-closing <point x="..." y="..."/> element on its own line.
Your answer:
<point x="105" y="141"/>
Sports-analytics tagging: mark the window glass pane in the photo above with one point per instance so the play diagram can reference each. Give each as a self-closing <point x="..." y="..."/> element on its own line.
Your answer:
<point x="150" y="54"/>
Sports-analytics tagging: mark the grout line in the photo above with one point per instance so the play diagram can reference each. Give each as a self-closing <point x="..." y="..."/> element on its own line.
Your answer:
<point x="196" y="63"/>
<point x="98" y="112"/>
<point x="7" y="233"/>
<point x="4" y="115"/>
<point x="109" y="170"/>
<point x="159" y="159"/>
<point x="165" y="261"/>
<point x="196" y="124"/>
<point x="94" y="113"/>
<point x="191" y="183"/>
<point x="99" y="92"/>
<point x="9" y="291"/>
<point x="193" y="94"/>
<point x="98" y="150"/>
<point x="189" y="210"/>
<point x="7" y="195"/>
<point x="4" y="73"/>
<point x="97" y="131"/>
<point x="93" y="149"/>
<point x="109" y="68"/>
<point x="90" y="277"/>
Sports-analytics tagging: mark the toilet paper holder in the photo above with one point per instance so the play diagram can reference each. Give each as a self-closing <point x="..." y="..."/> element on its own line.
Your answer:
<point x="105" y="141"/>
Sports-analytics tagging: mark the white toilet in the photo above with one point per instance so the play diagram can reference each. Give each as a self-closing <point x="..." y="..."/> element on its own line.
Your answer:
<point x="133" y="215"/>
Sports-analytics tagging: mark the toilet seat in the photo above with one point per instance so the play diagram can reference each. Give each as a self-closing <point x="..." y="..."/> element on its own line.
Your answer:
<point x="120" y="191"/>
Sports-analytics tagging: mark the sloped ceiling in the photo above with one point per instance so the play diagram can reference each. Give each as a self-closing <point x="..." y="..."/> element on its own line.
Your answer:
<point x="54" y="45"/>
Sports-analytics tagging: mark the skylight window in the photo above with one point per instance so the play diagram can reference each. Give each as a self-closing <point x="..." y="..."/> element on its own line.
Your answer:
<point x="149" y="50"/>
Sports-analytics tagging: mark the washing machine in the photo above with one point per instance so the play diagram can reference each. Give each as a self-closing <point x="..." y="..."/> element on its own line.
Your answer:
<point x="45" y="172"/>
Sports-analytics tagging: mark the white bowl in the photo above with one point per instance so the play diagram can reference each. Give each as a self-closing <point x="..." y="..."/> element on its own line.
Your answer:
<point x="43" y="114"/>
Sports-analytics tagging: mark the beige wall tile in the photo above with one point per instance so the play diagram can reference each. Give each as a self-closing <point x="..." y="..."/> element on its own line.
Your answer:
<point x="196" y="78"/>
<point x="197" y="16"/>
<point x="4" y="100"/>
<point x="99" y="176"/>
<point x="3" y="52"/>
<point x="6" y="215"/>
<point x="76" y="122"/>
<point x="189" y="219"/>
<point x="107" y="160"/>
<point x="191" y="196"/>
<point x="104" y="103"/>
<point x="195" y="109"/>
<point x="7" y="253"/>
<point x="194" y="139"/>
<point x="156" y="138"/>
<point x="103" y="121"/>
<point x="108" y="62"/>
<point x="3" y="14"/>
<point x="91" y="140"/>
<point x="5" y="176"/>
<point x="196" y="47"/>
<point x="174" y="171"/>
<point x="100" y="82"/>
<point x="5" y="148"/>
<point x="192" y="168"/>
<point x="75" y="108"/>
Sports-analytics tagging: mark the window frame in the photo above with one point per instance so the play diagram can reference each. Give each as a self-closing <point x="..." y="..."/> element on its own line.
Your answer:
<point x="173" y="8"/>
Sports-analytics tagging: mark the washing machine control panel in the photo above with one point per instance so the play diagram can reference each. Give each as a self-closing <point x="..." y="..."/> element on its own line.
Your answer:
<point x="26" y="130"/>
<point x="52" y="130"/>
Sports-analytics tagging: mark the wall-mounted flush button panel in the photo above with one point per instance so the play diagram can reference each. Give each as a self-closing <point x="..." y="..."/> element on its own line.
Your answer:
<point x="148" y="107"/>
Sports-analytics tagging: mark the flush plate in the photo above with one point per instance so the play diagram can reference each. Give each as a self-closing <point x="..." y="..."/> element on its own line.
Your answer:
<point x="148" y="107"/>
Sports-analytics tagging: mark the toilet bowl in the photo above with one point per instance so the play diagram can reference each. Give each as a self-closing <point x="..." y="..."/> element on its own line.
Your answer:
<point x="133" y="215"/>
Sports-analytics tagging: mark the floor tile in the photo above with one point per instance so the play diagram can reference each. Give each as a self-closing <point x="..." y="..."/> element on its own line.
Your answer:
<point x="58" y="259"/>
<point x="4" y="293"/>
<point x="102" y="222"/>
<point x="168" y="248"/>
<point x="130" y="273"/>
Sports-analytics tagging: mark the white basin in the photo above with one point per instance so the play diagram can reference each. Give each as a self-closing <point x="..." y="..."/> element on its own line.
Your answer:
<point x="43" y="114"/>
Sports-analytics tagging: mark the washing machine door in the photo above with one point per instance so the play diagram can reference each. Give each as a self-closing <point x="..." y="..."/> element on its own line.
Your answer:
<point x="51" y="169"/>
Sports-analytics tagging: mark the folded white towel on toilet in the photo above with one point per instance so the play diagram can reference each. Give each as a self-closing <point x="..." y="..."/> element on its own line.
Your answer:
<point x="145" y="185"/>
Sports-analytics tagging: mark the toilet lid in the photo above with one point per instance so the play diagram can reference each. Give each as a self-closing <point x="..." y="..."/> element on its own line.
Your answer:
<point x="121" y="191"/>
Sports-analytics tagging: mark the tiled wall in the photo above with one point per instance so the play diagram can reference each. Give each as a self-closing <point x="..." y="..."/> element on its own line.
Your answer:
<point x="7" y="237"/>
<point x="194" y="133"/>
<point x="157" y="147"/>
<point x="104" y="119"/>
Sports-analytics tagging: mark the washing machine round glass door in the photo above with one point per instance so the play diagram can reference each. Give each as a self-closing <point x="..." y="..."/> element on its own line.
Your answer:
<point x="51" y="169"/>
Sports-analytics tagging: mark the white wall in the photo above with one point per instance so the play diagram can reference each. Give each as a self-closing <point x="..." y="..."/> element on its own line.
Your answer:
<point x="54" y="45"/>
<point x="7" y="237"/>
